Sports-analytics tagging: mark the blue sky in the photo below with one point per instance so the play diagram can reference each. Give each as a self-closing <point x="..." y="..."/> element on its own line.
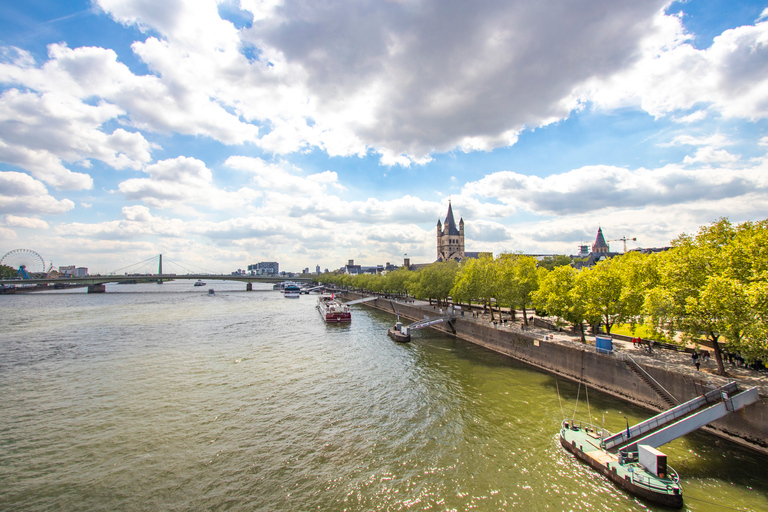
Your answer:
<point x="226" y="133"/>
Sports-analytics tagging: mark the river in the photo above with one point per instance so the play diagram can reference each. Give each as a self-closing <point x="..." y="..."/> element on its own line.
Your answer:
<point x="161" y="397"/>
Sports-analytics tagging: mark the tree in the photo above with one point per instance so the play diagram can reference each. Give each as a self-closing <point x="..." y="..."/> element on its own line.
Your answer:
<point x="435" y="281"/>
<point x="559" y="295"/>
<point x="601" y="288"/>
<point x="399" y="281"/>
<point x="476" y="280"/>
<point x="518" y="280"/>
<point x="557" y="260"/>
<point x="713" y="284"/>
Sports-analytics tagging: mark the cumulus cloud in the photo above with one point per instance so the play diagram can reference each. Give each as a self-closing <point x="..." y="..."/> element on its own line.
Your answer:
<point x="137" y="222"/>
<point x="406" y="79"/>
<point x="22" y="194"/>
<point x="24" y="222"/>
<point x="181" y="182"/>
<point x="730" y="78"/>
<point x="598" y="187"/>
<point x="281" y="177"/>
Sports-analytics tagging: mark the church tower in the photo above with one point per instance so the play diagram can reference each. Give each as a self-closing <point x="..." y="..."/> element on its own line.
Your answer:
<point x="450" y="239"/>
<point x="600" y="246"/>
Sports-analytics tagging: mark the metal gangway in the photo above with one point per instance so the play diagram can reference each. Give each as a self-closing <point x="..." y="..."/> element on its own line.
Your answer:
<point x="427" y="321"/>
<point x="683" y="419"/>
<point x="364" y="299"/>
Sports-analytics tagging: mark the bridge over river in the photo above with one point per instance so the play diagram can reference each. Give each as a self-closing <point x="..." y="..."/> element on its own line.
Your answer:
<point x="96" y="283"/>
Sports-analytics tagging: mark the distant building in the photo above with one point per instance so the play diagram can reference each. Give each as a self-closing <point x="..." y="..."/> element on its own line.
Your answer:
<point x="450" y="238"/>
<point x="317" y="269"/>
<point x="264" y="267"/>
<point x="81" y="272"/>
<point x="600" y="251"/>
<point x="351" y="269"/>
<point x="67" y="270"/>
<point x="600" y="246"/>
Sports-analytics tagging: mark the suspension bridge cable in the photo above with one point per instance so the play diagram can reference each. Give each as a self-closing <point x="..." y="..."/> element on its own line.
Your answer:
<point x="134" y="264"/>
<point x="172" y="262"/>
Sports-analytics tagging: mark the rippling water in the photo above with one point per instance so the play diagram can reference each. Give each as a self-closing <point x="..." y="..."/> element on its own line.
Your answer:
<point x="160" y="397"/>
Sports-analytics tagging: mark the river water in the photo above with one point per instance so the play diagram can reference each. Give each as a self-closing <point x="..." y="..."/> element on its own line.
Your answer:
<point x="160" y="397"/>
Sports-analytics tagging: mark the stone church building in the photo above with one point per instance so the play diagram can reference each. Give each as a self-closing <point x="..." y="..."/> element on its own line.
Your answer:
<point x="450" y="239"/>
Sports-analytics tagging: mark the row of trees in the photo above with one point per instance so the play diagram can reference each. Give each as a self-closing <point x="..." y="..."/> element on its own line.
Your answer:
<point x="712" y="285"/>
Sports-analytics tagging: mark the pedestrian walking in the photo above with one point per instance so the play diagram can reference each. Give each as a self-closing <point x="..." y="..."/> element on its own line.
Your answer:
<point x="695" y="357"/>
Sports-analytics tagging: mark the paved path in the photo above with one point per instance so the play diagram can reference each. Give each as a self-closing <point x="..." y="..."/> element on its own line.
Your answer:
<point x="669" y="360"/>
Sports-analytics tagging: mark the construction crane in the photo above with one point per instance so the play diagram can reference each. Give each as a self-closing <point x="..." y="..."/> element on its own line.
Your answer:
<point x="624" y="239"/>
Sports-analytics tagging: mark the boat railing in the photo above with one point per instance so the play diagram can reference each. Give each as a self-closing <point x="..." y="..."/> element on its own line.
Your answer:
<point x="649" y="483"/>
<point x="599" y="432"/>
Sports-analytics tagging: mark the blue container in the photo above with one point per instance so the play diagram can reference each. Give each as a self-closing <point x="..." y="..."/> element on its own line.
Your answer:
<point x="603" y="344"/>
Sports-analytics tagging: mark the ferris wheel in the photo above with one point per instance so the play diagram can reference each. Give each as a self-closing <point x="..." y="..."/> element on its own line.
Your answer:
<point x="26" y="259"/>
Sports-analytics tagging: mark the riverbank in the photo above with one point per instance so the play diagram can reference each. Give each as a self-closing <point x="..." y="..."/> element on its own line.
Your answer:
<point x="671" y="373"/>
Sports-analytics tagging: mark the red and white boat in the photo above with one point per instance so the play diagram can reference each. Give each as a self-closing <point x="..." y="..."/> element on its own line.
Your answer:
<point x="332" y="310"/>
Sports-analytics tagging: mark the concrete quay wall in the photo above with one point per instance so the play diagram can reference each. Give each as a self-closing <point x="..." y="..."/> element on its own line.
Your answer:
<point x="608" y="373"/>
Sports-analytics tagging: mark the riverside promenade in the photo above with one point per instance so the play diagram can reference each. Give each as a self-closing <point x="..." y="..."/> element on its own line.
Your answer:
<point x="662" y="358"/>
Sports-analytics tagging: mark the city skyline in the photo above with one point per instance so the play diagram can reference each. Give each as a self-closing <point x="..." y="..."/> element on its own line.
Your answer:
<point x="231" y="132"/>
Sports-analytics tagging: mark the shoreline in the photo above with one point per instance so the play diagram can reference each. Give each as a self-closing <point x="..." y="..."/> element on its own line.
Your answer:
<point x="608" y="373"/>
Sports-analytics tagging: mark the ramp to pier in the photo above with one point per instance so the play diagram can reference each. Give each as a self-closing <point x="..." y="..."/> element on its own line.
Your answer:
<point x="683" y="419"/>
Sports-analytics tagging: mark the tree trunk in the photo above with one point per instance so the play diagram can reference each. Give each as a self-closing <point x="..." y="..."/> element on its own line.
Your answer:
<point x="581" y="330"/>
<point x="490" y="306"/>
<point x="525" y="316"/>
<point x="718" y="353"/>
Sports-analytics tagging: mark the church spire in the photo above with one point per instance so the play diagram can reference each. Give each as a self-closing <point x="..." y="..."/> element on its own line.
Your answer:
<point x="600" y="245"/>
<point x="450" y="221"/>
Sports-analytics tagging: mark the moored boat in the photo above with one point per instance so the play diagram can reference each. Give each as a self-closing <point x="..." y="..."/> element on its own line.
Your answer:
<point x="199" y="283"/>
<point x="400" y="333"/>
<point x="291" y="291"/>
<point x="332" y="310"/>
<point x="644" y="473"/>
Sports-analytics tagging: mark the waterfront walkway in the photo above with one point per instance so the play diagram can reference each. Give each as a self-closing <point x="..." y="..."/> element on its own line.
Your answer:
<point x="670" y="360"/>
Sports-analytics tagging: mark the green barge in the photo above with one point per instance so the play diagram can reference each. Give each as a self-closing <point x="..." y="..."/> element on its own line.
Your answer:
<point x="629" y="458"/>
<point x="662" y="488"/>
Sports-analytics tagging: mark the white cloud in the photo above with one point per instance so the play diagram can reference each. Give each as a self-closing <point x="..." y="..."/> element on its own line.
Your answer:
<point x="404" y="79"/>
<point x="22" y="194"/>
<point x="7" y="234"/>
<point x="600" y="187"/>
<point x="272" y="176"/>
<point x="137" y="222"/>
<point x="24" y="222"/>
<point x="729" y="78"/>
<point x="180" y="183"/>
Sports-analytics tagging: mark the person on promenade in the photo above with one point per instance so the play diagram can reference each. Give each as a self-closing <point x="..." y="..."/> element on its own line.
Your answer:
<point x="695" y="357"/>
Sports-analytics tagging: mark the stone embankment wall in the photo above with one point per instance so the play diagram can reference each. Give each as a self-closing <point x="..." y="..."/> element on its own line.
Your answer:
<point x="608" y="373"/>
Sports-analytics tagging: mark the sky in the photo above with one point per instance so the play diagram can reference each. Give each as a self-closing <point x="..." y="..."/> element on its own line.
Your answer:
<point x="307" y="132"/>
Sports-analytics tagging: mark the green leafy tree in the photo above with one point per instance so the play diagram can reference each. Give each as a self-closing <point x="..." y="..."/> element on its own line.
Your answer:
<point x="559" y="296"/>
<point x="713" y="285"/>
<point x="7" y="272"/>
<point x="601" y="288"/>
<point x="399" y="281"/>
<point x="476" y="280"/>
<point x="518" y="280"/>
<point x="557" y="260"/>
<point x="435" y="281"/>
